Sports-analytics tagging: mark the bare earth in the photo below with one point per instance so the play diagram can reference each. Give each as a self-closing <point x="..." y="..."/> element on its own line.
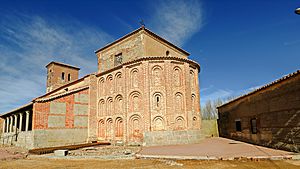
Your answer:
<point x="163" y="164"/>
<point x="123" y="157"/>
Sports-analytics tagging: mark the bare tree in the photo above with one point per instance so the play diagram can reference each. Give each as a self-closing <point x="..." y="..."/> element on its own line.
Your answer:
<point x="209" y="110"/>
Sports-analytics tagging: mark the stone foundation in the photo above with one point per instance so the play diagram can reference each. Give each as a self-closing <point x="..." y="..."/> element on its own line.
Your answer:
<point x="155" y="138"/>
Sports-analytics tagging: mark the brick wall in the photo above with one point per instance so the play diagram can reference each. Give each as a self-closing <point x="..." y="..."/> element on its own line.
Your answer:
<point x="61" y="121"/>
<point x="156" y="95"/>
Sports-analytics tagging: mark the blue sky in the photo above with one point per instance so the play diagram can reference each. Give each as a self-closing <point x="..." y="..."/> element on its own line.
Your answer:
<point x="240" y="44"/>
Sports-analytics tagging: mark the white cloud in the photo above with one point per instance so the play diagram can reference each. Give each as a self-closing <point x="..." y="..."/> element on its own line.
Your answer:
<point x="212" y="93"/>
<point x="28" y="43"/>
<point x="177" y="20"/>
<point x="215" y="94"/>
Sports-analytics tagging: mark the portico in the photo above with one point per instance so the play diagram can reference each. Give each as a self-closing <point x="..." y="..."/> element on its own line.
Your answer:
<point x="17" y="122"/>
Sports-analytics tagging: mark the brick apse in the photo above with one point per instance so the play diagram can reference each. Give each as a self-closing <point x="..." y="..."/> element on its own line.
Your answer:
<point x="145" y="92"/>
<point x="268" y="116"/>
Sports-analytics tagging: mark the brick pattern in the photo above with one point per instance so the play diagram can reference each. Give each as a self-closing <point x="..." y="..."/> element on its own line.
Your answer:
<point x="42" y="111"/>
<point x="154" y="95"/>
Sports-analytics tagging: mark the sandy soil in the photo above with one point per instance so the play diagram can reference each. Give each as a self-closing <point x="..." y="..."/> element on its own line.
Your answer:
<point x="12" y="153"/>
<point x="140" y="163"/>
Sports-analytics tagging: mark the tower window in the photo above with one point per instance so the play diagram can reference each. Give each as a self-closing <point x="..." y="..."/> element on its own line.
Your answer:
<point x="63" y="76"/>
<point x="118" y="59"/>
<point x="69" y="77"/>
<point x="157" y="101"/>
<point x="167" y="53"/>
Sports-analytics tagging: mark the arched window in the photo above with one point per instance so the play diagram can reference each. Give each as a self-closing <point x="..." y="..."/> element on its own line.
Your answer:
<point x="101" y="87"/>
<point x="157" y="75"/>
<point x="177" y="76"/>
<point x="69" y="77"/>
<point x="134" y="78"/>
<point x="101" y="108"/>
<point x="157" y="101"/>
<point x="179" y="102"/>
<point x="63" y="76"/>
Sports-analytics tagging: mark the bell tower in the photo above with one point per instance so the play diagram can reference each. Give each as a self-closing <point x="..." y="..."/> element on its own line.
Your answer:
<point x="59" y="74"/>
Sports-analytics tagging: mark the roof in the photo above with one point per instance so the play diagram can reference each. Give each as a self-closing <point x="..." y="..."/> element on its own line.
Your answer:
<point x="63" y="64"/>
<point x="17" y="109"/>
<point x="62" y="87"/>
<point x="287" y="77"/>
<point x="148" y="31"/>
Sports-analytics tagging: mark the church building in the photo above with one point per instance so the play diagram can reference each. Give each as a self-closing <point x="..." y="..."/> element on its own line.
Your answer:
<point x="145" y="92"/>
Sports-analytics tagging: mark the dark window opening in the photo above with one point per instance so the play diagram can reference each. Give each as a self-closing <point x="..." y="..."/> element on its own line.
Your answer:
<point x="253" y="126"/>
<point x="62" y="76"/>
<point x="69" y="77"/>
<point x="118" y="59"/>
<point x="167" y="53"/>
<point x="238" y="125"/>
<point x="157" y="101"/>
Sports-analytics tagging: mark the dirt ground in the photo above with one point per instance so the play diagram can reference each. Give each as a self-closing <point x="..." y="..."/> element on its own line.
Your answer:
<point x="15" y="158"/>
<point x="142" y="163"/>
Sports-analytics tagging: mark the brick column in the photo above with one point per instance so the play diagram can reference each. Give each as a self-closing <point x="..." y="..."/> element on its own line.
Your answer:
<point x="15" y="123"/>
<point x="27" y="121"/>
<point x="10" y="124"/>
<point x="92" y="118"/>
<point x="21" y="120"/>
<point x="188" y="95"/>
<point x="169" y="95"/>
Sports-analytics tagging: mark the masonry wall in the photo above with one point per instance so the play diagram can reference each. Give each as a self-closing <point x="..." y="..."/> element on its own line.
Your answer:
<point x="154" y="47"/>
<point x="54" y="76"/>
<point x="276" y="111"/>
<point x="131" y="48"/>
<point x="136" y="46"/>
<point x="61" y="121"/>
<point x="150" y="95"/>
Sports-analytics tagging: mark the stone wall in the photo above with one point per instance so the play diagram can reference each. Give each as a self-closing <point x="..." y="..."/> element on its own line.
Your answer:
<point x="276" y="111"/>
<point x="155" y="138"/>
<point x="209" y="128"/>
<point x="21" y="139"/>
<point x="61" y="137"/>
<point x="130" y="48"/>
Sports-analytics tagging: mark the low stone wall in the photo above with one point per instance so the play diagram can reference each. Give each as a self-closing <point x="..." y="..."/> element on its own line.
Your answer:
<point x="22" y="139"/>
<point x="154" y="138"/>
<point x="59" y="137"/>
<point x="209" y="128"/>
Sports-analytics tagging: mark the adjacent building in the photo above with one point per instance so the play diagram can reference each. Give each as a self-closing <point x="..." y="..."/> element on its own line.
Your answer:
<point x="146" y="91"/>
<point x="268" y="116"/>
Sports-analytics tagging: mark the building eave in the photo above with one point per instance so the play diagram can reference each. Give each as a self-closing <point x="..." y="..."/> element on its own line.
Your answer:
<point x="17" y="109"/>
<point x="148" y="31"/>
<point x="284" y="78"/>
<point x="63" y="64"/>
<point x="62" y="87"/>
<point x="146" y="58"/>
